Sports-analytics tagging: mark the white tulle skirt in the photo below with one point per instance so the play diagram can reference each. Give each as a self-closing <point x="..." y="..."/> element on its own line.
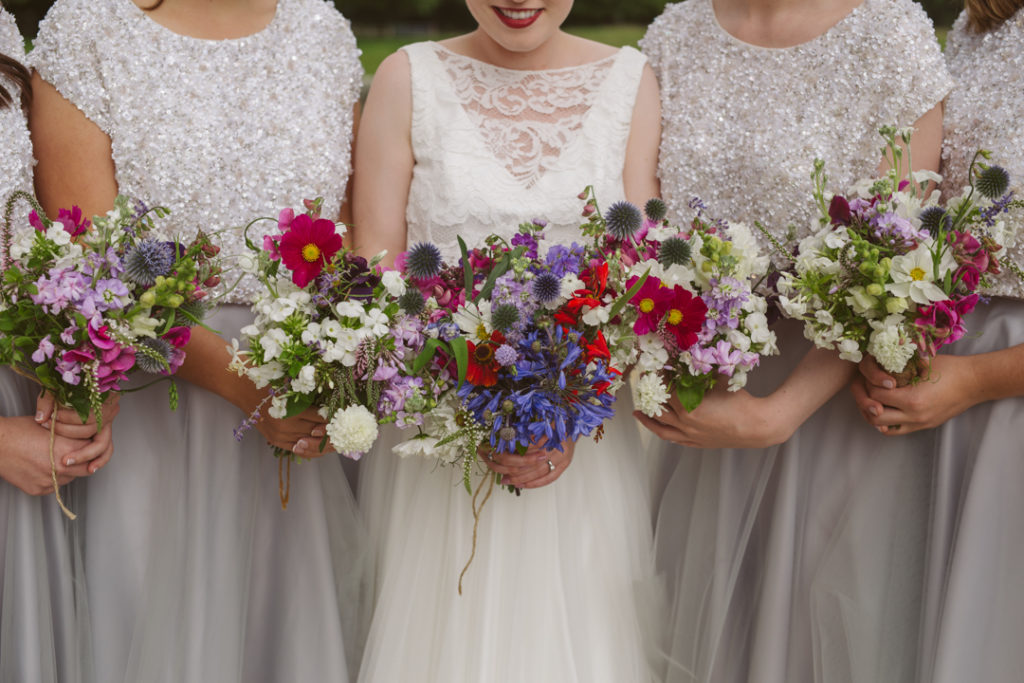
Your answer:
<point x="195" y="572"/>
<point x="974" y="610"/>
<point x="801" y="562"/>
<point x="553" y="594"/>
<point x="44" y="634"/>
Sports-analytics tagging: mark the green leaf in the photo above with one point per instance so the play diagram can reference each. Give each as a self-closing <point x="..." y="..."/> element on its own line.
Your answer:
<point x="621" y="302"/>
<point x="298" y="404"/>
<point x="425" y="356"/>
<point x="467" y="272"/>
<point x="460" y="349"/>
<point x="690" y="396"/>
<point x="500" y="268"/>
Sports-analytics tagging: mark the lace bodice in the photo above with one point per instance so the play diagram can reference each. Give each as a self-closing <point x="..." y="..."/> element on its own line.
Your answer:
<point x="743" y="124"/>
<point x="15" y="145"/>
<point x="220" y="131"/>
<point x="495" y="147"/>
<point x="986" y="110"/>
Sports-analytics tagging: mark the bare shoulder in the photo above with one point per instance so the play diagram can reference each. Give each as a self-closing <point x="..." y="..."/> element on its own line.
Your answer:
<point x="393" y="74"/>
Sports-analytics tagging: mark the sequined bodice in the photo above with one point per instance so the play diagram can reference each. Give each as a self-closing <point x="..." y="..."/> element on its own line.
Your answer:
<point x="218" y="131"/>
<point x="15" y="145"/>
<point x="495" y="147"/>
<point x="743" y="124"/>
<point x="986" y="110"/>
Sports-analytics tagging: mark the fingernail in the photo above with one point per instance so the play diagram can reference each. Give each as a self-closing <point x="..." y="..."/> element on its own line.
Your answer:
<point x="873" y="410"/>
<point x="300" y="447"/>
<point x="40" y="415"/>
<point x="318" y="432"/>
<point x="505" y="480"/>
<point x="889" y="384"/>
<point x="70" y="462"/>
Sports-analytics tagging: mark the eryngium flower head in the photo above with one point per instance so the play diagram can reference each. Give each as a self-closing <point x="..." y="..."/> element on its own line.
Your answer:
<point x="655" y="209"/>
<point x="993" y="182"/>
<point x="674" y="251"/>
<point x="935" y="219"/>
<point x="423" y="261"/>
<point x="411" y="301"/>
<point x="623" y="219"/>
<point x="150" y="362"/>
<point x="190" y="311"/>
<point x="147" y="261"/>
<point x="504" y="316"/>
<point x="546" y="287"/>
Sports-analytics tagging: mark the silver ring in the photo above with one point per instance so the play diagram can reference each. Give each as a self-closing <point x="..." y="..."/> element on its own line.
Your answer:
<point x="551" y="466"/>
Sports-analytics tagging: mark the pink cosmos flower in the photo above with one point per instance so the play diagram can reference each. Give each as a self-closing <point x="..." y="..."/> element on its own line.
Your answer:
<point x="651" y="301"/>
<point x="308" y="246"/>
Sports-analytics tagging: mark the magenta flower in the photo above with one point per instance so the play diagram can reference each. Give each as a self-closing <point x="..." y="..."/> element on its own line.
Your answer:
<point x="271" y="246"/>
<point x="178" y="338"/>
<point x="839" y="210"/>
<point x="308" y="246"/>
<point x="651" y="301"/>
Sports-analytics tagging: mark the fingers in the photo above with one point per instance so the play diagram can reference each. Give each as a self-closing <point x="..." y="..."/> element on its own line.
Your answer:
<point x="311" y="447"/>
<point x="875" y="375"/>
<point x="546" y="472"/>
<point x="44" y="407"/>
<point x="869" y="408"/>
<point x="663" y="431"/>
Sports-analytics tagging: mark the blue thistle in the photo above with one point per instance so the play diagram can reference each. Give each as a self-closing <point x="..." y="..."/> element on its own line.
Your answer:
<point x="655" y="209"/>
<point x="148" y="362"/>
<point x="423" y="261"/>
<point x="192" y="309"/>
<point x="147" y="261"/>
<point x="623" y="219"/>
<point x="412" y="301"/>
<point x="934" y="219"/>
<point x="674" y="251"/>
<point x="992" y="182"/>
<point x="546" y="287"/>
<point x="504" y="316"/>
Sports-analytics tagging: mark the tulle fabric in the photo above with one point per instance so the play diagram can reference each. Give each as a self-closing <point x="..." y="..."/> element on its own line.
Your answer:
<point x="44" y="635"/>
<point x="195" y="571"/>
<point x="801" y="562"/>
<point x="974" y="609"/>
<point x="553" y="593"/>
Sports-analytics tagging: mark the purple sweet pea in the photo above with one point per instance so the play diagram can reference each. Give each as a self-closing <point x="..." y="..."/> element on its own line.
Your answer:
<point x="44" y="351"/>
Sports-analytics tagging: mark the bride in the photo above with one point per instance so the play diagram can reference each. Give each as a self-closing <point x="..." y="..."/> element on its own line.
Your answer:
<point x="466" y="137"/>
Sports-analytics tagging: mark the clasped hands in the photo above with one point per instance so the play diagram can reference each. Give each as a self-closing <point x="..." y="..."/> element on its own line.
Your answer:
<point x="538" y="466"/>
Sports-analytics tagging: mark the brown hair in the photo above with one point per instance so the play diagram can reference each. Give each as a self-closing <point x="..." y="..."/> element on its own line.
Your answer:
<point x="985" y="15"/>
<point x="16" y="71"/>
<point x="153" y="6"/>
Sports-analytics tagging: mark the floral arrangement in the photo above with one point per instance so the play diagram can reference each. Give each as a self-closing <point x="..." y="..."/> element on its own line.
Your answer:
<point x="85" y="303"/>
<point x="891" y="273"/>
<point x="697" y="318"/>
<point x="329" y="333"/>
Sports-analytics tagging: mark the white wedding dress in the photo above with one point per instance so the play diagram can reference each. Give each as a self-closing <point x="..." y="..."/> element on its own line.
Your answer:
<point x="551" y="596"/>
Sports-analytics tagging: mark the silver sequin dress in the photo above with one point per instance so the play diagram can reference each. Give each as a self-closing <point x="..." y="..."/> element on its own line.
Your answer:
<point x="43" y="612"/>
<point x="974" y="607"/>
<point x="550" y="596"/>
<point x="800" y="562"/>
<point x="195" y="571"/>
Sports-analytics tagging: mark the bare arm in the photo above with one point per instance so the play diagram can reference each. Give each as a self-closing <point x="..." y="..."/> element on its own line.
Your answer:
<point x="640" y="173"/>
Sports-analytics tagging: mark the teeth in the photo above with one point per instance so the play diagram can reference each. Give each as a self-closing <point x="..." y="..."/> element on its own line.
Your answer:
<point x="518" y="13"/>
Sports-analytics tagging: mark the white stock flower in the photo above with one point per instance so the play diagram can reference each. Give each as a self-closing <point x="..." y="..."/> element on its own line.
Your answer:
<point x="650" y="394"/>
<point x="793" y="308"/>
<point x="376" y="322"/>
<point x="22" y="244"/>
<point x="312" y="334"/>
<point x="888" y="346"/>
<point x="352" y="431"/>
<point x="349" y="309"/>
<point x="58" y="235"/>
<point x="263" y="375"/>
<point x="331" y="328"/>
<point x="305" y="383"/>
<point x="738" y="380"/>
<point x="272" y="343"/>
<point x="393" y="282"/>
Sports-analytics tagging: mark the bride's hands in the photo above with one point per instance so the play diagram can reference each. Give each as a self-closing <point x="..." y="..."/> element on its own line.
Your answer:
<point x="539" y="466"/>
<point x="69" y="424"/>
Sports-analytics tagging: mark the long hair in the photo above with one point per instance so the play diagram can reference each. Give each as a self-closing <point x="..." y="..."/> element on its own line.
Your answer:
<point x="153" y="6"/>
<point x="15" y="71"/>
<point x="985" y="15"/>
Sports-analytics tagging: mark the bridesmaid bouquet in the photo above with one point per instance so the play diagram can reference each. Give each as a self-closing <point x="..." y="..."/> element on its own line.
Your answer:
<point x="891" y="273"/>
<point x="329" y="334"/>
<point x="696" y="317"/>
<point x="84" y="304"/>
<point x="518" y="345"/>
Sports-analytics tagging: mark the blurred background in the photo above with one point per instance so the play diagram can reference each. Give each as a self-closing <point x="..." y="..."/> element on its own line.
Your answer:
<point x="382" y="26"/>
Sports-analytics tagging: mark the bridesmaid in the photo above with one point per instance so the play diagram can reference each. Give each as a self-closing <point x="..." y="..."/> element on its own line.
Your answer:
<point x="793" y="553"/>
<point x="974" y="606"/>
<point x="221" y="111"/>
<point x="43" y="616"/>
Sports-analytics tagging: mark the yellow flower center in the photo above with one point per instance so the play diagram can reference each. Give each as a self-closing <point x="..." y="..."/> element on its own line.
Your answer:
<point x="311" y="253"/>
<point x="917" y="274"/>
<point x="646" y="305"/>
<point x="675" y="316"/>
<point x="481" y="332"/>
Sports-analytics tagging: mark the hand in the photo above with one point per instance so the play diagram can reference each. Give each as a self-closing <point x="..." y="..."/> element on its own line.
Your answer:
<point x="532" y="470"/>
<point x="724" y="419"/>
<point x="301" y="434"/>
<point x="951" y="388"/>
<point x="25" y="455"/>
<point x="69" y="423"/>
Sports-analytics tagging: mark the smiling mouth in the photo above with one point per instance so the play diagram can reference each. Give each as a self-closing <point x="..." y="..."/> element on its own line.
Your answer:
<point x="517" y="18"/>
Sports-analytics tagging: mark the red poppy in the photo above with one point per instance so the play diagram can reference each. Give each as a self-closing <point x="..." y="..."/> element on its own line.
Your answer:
<point x="483" y="366"/>
<point x="307" y="246"/>
<point x="684" y="316"/>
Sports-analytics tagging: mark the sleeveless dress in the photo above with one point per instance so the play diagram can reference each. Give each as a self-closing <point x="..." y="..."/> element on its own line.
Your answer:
<point x="43" y="612"/>
<point x="195" y="572"/>
<point x="974" y="606"/>
<point x="800" y="562"/>
<point x="551" y="594"/>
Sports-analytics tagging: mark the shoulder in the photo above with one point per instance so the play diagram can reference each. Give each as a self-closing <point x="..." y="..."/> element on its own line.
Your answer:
<point x="84" y="18"/>
<point x="887" y="19"/>
<point x="324" y="19"/>
<point x="11" y="43"/>
<point x="394" y="74"/>
<point x="671" y="30"/>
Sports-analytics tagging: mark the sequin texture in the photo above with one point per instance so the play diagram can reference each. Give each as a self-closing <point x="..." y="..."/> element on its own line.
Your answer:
<point x="742" y="125"/>
<point x="218" y="131"/>
<point x="986" y="110"/>
<point x="15" y="145"/>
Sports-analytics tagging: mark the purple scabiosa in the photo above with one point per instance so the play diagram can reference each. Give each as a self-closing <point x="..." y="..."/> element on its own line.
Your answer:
<point x="148" y="260"/>
<point x="423" y="261"/>
<point x="992" y="182"/>
<point x="506" y="355"/>
<point x="622" y="219"/>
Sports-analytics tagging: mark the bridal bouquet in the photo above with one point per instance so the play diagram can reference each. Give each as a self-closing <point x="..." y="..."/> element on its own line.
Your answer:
<point x="84" y="304"/>
<point x="697" y="317"/>
<point x="329" y="333"/>
<point x="892" y="273"/>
